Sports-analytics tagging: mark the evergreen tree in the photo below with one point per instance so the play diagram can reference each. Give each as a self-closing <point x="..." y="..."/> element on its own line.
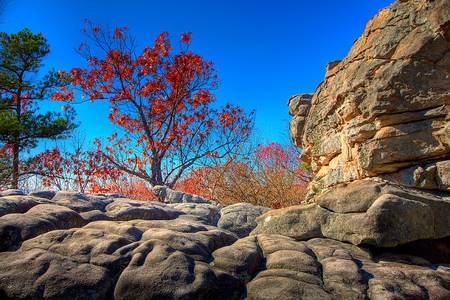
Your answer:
<point x="21" y="126"/>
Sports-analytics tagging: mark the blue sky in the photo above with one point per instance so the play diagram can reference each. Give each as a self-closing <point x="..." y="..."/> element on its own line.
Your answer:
<point x="264" y="51"/>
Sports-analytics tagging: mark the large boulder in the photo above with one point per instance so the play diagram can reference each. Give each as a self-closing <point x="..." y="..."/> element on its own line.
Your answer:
<point x="144" y="251"/>
<point x="384" y="109"/>
<point x="381" y="214"/>
<point x="40" y="274"/>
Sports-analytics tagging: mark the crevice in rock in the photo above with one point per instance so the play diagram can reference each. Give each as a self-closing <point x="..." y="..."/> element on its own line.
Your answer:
<point x="436" y="251"/>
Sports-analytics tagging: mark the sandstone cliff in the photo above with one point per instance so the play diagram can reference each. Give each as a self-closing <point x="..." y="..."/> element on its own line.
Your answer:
<point x="383" y="111"/>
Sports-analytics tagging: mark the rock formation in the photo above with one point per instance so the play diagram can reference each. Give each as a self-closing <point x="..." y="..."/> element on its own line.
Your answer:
<point x="376" y="133"/>
<point x="68" y="245"/>
<point x="125" y="249"/>
<point x="383" y="111"/>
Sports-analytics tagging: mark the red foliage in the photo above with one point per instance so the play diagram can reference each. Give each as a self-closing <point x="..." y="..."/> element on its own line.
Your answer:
<point x="6" y="149"/>
<point x="87" y="172"/>
<point x="272" y="177"/>
<point x="160" y="100"/>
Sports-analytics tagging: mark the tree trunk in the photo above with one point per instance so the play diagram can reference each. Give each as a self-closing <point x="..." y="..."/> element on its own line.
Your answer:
<point x="15" y="181"/>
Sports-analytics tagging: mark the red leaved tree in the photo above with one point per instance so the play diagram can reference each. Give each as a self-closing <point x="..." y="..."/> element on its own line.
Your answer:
<point x="75" y="168"/>
<point x="161" y="101"/>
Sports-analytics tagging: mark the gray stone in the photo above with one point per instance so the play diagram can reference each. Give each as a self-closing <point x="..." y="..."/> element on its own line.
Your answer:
<point x="125" y="210"/>
<point x="124" y="229"/>
<point x="208" y="213"/>
<point x="170" y="274"/>
<point x="240" y="218"/>
<point x="242" y="259"/>
<point x="12" y="192"/>
<point x="363" y="212"/>
<point x="263" y="287"/>
<point x="43" y="194"/>
<point x="166" y="195"/>
<point x="27" y="226"/>
<point x="60" y="216"/>
<point x="10" y="237"/>
<point x="80" y="202"/>
<point x="39" y="274"/>
<point x="301" y="222"/>
<point x="352" y="197"/>
<point x="343" y="278"/>
<point x="16" y="204"/>
<point x="94" y="215"/>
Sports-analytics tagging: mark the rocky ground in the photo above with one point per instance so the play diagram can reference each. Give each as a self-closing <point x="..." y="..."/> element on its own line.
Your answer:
<point x="67" y="245"/>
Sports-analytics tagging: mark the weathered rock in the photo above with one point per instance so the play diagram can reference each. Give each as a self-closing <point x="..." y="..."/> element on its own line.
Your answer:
<point x="61" y="217"/>
<point x="376" y="115"/>
<point x="10" y="236"/>
<point x="170" y="274"/>
<point x="242" y="259"/>
<point x="127" y="230"/>
<point x="181" y="258"/>
<point x="301" y="222"/>
<point x="289" y="285"/>
<point x="166" y="195"/>
<point x="293" y="270"/>
<point x="342" y="274"/>
<point x="240" y="218"/>
<point x="16" y="228"/>
<point x="80" y="202"/>
<point x="299" y="104"/>
<point x="40" y="274"/>
<point x="383" y="110"/>
<point x="12" y="192"/>
<point x="85" y="245"/>
<point x="16" y="204"/>
<point x="26" y="227"/>
<point x="363" y="212"/>
<point x="208" y="213"/>
<point x="112" y="253"/>
<point x="94" y="215"/>
<point x="192" y="244"/>
<point x="42" y="194"/>
<point x="125" y="209"/>
<point x="353" y="197"/>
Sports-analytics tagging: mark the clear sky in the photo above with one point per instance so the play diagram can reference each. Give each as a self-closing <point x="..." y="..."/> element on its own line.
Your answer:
<point x="264" y="50"/>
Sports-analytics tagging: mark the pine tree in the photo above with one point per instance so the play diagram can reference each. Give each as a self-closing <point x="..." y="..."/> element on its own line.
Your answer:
<point x="21" y="126"/>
